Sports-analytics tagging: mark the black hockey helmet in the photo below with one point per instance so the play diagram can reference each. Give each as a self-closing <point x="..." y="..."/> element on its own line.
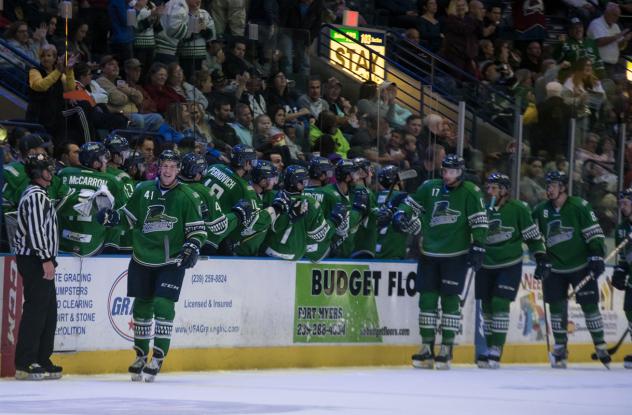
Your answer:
<point x="116" y="144"/>
<point x="294" y="175"/>
<point x="362" y="163"/>
<point x="320" y="165"/>
<point x="35" y="164"/>
<point x="452" y="161"/>
<point x="135" y="165"/>
<point x="263" y="169"/>
<point x="626" y="193"/>
<point x="388" y="176"/>
<point x="556" y="176"/>
<point x="502" y="180"/>
<point x="91" y="152"/>
<point x="345" y="167"/>
<point x="170" y="155"/>
<point x="192" y="164"/>
<point x="240" y="154"/>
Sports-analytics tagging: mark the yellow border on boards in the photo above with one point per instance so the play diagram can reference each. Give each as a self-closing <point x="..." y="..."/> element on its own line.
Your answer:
<point x="116" y="361"/>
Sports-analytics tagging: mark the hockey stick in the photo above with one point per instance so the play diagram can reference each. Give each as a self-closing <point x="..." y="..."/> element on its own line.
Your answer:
<point x="590" y="276"/>
<point x="469" y="277"/>
<point x="546" y="326"/>
<point x="614" y="348"/>
<point x="402" y="176"/>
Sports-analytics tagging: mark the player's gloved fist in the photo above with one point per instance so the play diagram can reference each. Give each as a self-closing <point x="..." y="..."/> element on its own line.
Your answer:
<point x="281" y="202"/>
<point x="189" y="254"/>
<point x="108" y="217"/>
<point x="298" y="210"/>
<point x="542" y="266"/>
<point x="619" y="275"/>
<point x="401" y="221"/>
<point x="384" y="216"/>
<point x="475" y="257"/>
<point x="338" y="214"/>
<point x="244" y="211"/>
<point x="596" y="266"/>
<point x="361" y="200"/>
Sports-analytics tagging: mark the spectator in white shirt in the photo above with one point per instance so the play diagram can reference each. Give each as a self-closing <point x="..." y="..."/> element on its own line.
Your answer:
<point x="313" y="100"/>
<point x="609" y="37"/>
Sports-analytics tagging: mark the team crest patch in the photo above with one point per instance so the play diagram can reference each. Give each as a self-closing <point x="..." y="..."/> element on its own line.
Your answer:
<point x="157" y="221"/>
<point x="498" y="233"/>
<point x="442" y="214"/>
<point x="556" y="233"/>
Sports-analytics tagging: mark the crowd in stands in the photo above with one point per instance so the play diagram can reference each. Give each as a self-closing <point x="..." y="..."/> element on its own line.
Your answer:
<point x="211" y="74"/>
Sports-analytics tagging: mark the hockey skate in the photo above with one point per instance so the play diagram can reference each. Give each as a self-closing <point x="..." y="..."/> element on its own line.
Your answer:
<point x="152" y="368"/>
<point x="443" y="359"/>
<point x="52" y="372"/>
<point x="559" y="357"/>
<point x="136" y="368"/>
<point x="627" y="361"/>
<point x="424" y="359"/>
<point x="603" y="355"/>
<point x="32" y="372"/>
<point x="482" y="361"/>
<point x="493" y="357"/>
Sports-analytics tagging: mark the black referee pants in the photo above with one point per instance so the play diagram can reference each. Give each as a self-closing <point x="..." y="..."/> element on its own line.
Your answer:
<point x="36" y="337"/>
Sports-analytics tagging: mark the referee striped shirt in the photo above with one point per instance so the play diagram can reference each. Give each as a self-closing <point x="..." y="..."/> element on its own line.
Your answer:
<point x="37" y="231"/>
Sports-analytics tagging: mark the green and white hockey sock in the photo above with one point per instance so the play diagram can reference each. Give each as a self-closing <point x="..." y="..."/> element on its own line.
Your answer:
<point x="428" y="317"/>
<point x="594" y="322"/>
<point x="500" y="321"/>
<point x="450" y="318"/>
<point x="164" y="309"/>
<point x="487" y="321"/>
<point x="558" y="322"/>
<point x="143" y="315"/>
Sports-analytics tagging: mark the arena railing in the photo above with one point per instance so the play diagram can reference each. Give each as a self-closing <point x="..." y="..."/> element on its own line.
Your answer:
<point x="14" y="67"/>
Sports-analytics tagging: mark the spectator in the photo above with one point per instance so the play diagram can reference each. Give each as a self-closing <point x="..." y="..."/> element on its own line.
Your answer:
<point x="577" y="46"/>
<point x="200" y="125"/>
<point x="148" y="150"/>
<point x="124" y="99"/>
<point x="506" y="61"/>
<point x="279" y="94"/>
<point x="553" y="122"/>
<point x="147" y="16"/>
<point x="412" y="35"/>
<point x="133" y="71"/>
<point x="477" y="12"/>
<point x="277" y="115"/>
<point x="77" y="45"/>
<point x="371" y="138"/>
<point x="586" y="9"/>
<point x="253" y="95"/>
<point x="192" y="49"/>
<point x="222" y="89"/>
<point x="367" y="98"/>
<point x="395" y="114"/>
<point x="121" y="35"/>
<point x="339" y="105"/>
<point x="46" y="90"/>
<point x="95" y="13"/>
<point x="327" y="123"/>
<point x="179" y="119"/>
<point x="263" y="130"/>
<point x="414" y="127"/>
<point x="175" y="25"/>
<point x="51" y="32"/>
<point x="158" y="90"/>
<point x="493" y="17"/>
<point x="231" y="15"/>
<point x="223" y="134"/>
<point x="303" y="18"/>
<point x="175" y="80"/>
<point x="533" y="58"/>
<point x="236" y="63"/>
<point x="430" y="35"/>
<point x="532" y="183"/>
<point x="215" y="56"/>
<point x="17" y="35"/>
<point x="609" y="38"/>
<point x="202" y="81"/>
<point x="461" y="32"/>
<point x="486" y="51"/>
<point x="431" y="167"/>
<point x="583" y="89"/>
<point x="66" y="155"/>
<point x="313" y="100"/>
<point x="243" y="124"/>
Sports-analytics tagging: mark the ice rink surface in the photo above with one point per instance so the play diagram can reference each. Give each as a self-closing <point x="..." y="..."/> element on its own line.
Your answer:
<point x="534" y="390"/>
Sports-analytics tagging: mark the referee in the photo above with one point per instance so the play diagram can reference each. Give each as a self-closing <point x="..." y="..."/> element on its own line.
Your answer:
<point x="36" y="243"/>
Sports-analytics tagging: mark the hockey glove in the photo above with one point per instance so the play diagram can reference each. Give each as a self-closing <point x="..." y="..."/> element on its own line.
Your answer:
<point x="281" y="202"/>
<point x="339" y="214"/>
<point x="361" y="200"/>
<point x="542" y="266"/>
<point x="298" y="210"/>
<point x="108" y="217"/>
<point x="475" y="257"/>
<point x="596" y="266"/>
<point x="244" y="211"/>
<point x="401" y="221"/>
<point x="189" y="254"/>
<point x="619" y="275"/>
<point x="384" y="216"/>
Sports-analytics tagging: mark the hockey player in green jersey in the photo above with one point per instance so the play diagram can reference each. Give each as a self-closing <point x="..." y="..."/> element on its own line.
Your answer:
<point x="119" y="150"/>
<point x="454" y="226"/>
<point x="321" y="171"/>
<point x="621" y="279"/>
<point x="303" y="224"/>
<point x="264" y="177"/>
<point x="575" y="244"/>
<point x="80" y="234"/>
<point x="167" y="232"/>
<point x="218" y="224"/>
<point x="496" y="285"/>
<point x="366" y="236"/>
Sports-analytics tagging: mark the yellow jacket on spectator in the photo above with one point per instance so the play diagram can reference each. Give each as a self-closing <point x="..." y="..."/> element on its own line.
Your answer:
<point x="342" y="145"/>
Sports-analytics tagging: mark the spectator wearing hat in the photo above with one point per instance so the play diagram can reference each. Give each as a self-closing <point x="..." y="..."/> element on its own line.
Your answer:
<point x="223" y="90"/>
<point x="158" y="90"/>
<point x="340" y="106"/>
<point x="609" y="38"/>
<point x="121" y="34"/>
<point x="175" y="26"/>
<point x="577" y="46"/>
<point x="192" y="49"/>
<point x="133" y="74"/>
<point x="313" y="100"/>
<point x="125" y="99"/>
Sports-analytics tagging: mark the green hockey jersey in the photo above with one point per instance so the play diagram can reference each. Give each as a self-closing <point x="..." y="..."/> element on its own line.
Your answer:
<point x="452" y="218"/>
<point x="621" y="233"/>
<point x="571" y="234"/>
<point x="128" y="182"/>
<point x="218" y="224"/>
<point x="162" y="221"/>
<point x="391" y="244"/>
<point x="366" y="236"/>
<point x="16" y="180"/>
<point x="509" y="226"/>
<point x="81" y="234"/>
<point x="287" y="240"/>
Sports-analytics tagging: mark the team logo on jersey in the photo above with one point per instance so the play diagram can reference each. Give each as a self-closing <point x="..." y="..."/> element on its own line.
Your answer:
<point x="157" y="221"/>
<point x="498" y="233"/>
<point x="556" y="233"/>
<point x="442" y="214"/>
